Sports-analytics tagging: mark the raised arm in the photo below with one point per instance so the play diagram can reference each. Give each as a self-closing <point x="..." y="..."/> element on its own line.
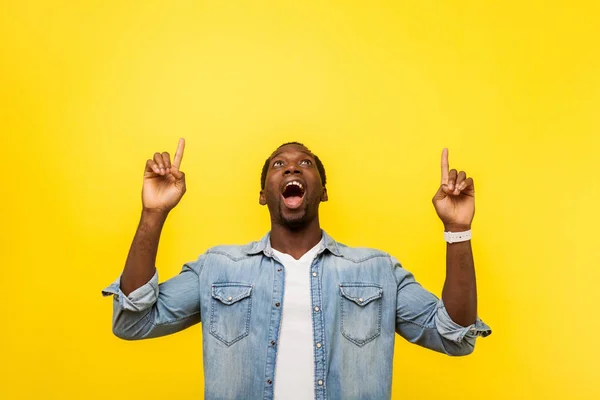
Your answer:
<point x="454" y="203"/>
<point x="163" y="188"/>
<point x="449" y="325"/>
<point x="142" y="308"/>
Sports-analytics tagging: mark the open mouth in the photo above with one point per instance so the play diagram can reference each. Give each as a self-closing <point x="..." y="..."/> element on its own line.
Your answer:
<point x="292" y="194"/>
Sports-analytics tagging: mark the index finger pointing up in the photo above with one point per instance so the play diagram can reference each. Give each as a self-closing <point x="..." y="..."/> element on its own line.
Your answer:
<point x="179" y="153"/>
<point x="445" y="167"/>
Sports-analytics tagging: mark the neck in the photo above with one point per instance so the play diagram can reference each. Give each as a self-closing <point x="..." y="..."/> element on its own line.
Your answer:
<point x="295" y="242"/>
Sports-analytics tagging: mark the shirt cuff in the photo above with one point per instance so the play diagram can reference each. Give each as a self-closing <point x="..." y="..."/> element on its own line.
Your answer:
<point x="140" y="299"/>
<point x="455" y="332"/>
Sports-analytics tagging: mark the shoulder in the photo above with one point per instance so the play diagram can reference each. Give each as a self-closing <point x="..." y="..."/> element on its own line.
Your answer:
<point x="360" y="254"/>
<point x="235" y="252"/>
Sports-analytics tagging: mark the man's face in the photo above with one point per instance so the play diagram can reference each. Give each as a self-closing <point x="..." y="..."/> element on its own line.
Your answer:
<point x="293" y="188"/>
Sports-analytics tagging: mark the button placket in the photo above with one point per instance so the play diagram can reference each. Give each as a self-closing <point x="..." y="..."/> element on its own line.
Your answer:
<point x="275" y="326"/>
<point x="318" y="329"/>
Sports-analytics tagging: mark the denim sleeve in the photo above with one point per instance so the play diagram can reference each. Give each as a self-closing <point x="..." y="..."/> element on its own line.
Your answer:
<point x="421" y="318"/>
<point x="153" y="309"/>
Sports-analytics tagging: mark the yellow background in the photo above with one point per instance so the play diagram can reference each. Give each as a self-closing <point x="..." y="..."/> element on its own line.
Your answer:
<point x="90" y="90"/>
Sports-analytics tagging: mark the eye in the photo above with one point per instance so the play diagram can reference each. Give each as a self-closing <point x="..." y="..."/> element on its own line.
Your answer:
<point x="305" y="162"/>
<point x="278" y="163"/>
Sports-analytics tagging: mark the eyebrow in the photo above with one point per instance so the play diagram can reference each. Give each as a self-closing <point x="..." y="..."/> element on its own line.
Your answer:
<point x="281" y="152"/>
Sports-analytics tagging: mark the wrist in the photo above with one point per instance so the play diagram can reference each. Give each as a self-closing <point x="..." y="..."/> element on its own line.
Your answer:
<point x="457" y="227"/>
<point x="153" y="215"/>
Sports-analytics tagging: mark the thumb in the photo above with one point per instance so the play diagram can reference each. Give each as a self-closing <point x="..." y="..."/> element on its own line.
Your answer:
<point x="177" y="173"/>
<point x="442" y="193"/>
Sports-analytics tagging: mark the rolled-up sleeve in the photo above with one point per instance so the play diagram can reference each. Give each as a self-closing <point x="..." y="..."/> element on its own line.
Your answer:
<point x="155" y="309"/>
<point x="421" y="318"/>
<point x="140" y="299"/>
<point x="455" y="332"/>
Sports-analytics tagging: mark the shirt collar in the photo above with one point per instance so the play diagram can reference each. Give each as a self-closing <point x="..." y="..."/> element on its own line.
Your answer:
<point x="264" y="246"/>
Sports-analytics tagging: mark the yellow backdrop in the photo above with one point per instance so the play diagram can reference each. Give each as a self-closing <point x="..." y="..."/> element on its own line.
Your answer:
<point x="89" y="90"/>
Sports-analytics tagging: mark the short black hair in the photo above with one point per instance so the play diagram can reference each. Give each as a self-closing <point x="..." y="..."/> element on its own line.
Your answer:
<point x="320" y="167"/>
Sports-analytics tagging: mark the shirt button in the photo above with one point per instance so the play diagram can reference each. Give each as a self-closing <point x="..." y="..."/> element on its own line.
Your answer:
<point x="277" y="304"/>
<point x="269" y="381"/>
<point x="278" y="269"/>
<point x="317" y="309"/>
<point x="314" y="274"/>
<point x="360" y="300"/>
<point x="318" y="345"/>
<point x="230" y="298"/>
<point x="320" y="382"/>
<point x="272" y="343"/>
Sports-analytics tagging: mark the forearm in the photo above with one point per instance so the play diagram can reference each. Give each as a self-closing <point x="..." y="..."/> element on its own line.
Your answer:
<point x="460" y="289"/>
<point x="140" y="264"/>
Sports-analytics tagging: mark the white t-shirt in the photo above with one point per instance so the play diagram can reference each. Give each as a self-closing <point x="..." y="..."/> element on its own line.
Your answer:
<point x="294" y="370"/>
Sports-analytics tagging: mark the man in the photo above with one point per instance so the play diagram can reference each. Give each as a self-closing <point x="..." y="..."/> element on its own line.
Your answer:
<point x="297" y="315"/>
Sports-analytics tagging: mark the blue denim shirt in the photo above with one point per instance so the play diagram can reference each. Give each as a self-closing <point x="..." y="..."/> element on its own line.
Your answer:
<point x="360" y="298"/>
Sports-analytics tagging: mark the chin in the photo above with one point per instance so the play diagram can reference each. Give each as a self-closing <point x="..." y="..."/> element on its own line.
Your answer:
<point x="297" y="220"/>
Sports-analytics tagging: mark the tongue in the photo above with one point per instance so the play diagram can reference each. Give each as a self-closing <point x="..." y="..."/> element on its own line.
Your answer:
<point x="292" y="201"/>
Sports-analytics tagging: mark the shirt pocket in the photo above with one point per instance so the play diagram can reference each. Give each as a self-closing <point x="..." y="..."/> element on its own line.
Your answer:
<point x="360" y="305"/>
<point x="231" y="305"/>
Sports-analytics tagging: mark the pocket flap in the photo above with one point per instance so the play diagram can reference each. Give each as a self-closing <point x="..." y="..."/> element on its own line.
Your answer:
<point x="361" y="293"/>
<point x="230" y="292"/>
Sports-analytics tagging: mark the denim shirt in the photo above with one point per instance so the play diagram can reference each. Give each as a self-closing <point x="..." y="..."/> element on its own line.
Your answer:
<point x="360" y="298"/>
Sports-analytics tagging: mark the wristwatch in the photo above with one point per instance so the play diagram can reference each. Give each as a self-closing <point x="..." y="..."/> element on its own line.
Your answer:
<point x="456" y="237"/>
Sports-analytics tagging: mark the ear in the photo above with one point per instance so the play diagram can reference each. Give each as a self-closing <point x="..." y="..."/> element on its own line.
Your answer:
<point x="324" y="196"/>
<point x="262" y="200"/>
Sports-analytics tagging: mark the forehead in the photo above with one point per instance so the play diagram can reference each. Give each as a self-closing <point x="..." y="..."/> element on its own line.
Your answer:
<point x="291" y="148"/>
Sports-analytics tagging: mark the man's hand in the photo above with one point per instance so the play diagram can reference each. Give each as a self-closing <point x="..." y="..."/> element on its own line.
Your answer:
<point x="454" y="201"/>
<point x="164" y="183"/>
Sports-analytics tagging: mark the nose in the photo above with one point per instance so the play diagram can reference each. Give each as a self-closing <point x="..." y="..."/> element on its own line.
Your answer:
<point x="291" y="169"/>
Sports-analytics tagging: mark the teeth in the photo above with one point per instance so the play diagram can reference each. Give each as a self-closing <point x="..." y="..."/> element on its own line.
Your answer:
<point x="295" y="183"/>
